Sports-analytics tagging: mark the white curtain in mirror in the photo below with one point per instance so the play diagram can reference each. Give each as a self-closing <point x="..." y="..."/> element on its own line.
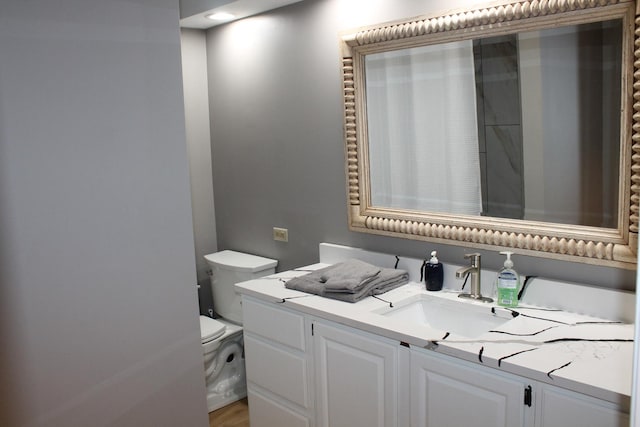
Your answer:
<point x="423" y="132"/>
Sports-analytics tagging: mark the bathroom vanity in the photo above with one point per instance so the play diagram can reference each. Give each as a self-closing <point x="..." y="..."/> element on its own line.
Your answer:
<point x="563" y="357"/>
<point x="312" y="361"/>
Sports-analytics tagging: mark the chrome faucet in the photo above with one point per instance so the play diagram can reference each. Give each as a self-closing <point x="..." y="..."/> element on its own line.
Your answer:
<point x="474" y="271"/>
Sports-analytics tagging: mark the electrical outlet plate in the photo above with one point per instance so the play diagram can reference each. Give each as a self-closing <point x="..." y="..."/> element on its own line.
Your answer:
<point x="280" y="234"/>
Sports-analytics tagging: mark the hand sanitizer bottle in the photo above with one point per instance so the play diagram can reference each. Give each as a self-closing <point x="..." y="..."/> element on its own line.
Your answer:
<point x="508" y="283"/>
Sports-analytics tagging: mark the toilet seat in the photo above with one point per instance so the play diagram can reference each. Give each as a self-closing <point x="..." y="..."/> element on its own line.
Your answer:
<point x="210" y="329"/>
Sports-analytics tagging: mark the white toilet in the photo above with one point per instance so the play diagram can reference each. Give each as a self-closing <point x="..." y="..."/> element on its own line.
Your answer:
<point x="222" y="337"/>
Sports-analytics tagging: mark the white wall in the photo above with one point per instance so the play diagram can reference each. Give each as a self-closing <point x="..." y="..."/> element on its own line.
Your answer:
<point x="635" y="385"/>
<point x="98" y="311"/>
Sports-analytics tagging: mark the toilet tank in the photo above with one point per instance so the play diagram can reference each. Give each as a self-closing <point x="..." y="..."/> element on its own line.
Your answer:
<point x="229" y="268"/>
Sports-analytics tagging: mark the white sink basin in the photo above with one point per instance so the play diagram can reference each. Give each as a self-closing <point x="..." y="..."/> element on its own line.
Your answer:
<point x="463" y="318"/>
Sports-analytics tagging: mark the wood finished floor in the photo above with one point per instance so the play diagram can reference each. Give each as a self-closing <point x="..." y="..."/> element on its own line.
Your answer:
<point x="233" y="415"/>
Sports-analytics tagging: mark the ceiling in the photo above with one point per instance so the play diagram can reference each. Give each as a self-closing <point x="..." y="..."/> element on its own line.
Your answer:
<point x="193" y="13"/>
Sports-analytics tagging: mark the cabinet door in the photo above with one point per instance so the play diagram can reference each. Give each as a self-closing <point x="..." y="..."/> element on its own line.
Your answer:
<point x="562" y="408"/>
<point x="356" y="378"/>
<point x="452" y="393"/>
<point x="266" y="412"/>
<point x="279" y="372"/>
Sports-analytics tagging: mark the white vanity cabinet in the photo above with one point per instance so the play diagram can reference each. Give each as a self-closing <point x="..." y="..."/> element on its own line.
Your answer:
<point x="278" y="363"/>
<point x="356" y="378"/>
<point x="303" y="371"/>
<point x="451" y="392"/>
<point x="559" y="407"/>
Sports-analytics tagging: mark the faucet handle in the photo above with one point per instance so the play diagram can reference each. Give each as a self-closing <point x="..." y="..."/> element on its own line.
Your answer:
<point x="475" y="258"/>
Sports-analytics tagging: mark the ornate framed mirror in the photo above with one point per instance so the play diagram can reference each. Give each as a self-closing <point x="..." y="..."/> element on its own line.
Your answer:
<point x="510" y="126"/>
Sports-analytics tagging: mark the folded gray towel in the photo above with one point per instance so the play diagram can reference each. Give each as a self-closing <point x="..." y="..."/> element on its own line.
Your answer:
<point x="315" y="282"/>
<point x="348" y="276"/>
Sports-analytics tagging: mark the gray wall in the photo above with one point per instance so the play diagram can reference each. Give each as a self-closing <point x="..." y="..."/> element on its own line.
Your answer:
<point x="276" y="134"/>
<point x="196" y="107"/>
<point x="98" y="311"/>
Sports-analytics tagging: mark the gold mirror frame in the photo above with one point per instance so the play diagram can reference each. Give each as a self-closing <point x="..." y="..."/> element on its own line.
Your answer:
<point x="592" y="245"/>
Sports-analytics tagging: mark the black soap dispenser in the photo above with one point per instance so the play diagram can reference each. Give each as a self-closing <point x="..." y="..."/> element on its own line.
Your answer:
<point x="433" y="273"/>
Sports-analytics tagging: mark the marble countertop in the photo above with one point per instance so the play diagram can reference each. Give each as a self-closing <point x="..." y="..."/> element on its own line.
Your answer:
<point x="578" y="352"/>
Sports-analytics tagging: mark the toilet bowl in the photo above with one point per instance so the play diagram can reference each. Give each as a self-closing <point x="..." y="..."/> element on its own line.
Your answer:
<point x="222" y="343"/>
<point x="223" y="362"/>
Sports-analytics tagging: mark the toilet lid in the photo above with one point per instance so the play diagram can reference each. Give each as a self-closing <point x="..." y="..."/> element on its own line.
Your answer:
<point x="238" y="261"/>
<point x="210" y="329"/>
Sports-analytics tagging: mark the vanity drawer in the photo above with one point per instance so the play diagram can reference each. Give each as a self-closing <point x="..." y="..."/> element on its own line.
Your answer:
<point x="277" y="370"/>
<point x="265" y="412"/>
<point x="274" y="323"/>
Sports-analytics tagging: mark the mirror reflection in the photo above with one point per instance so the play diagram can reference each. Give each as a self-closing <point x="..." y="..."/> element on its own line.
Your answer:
<point x="523" y="126"/>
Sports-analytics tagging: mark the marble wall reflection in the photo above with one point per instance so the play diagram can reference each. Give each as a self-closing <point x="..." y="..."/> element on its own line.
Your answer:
<point x="499" y="126"/>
